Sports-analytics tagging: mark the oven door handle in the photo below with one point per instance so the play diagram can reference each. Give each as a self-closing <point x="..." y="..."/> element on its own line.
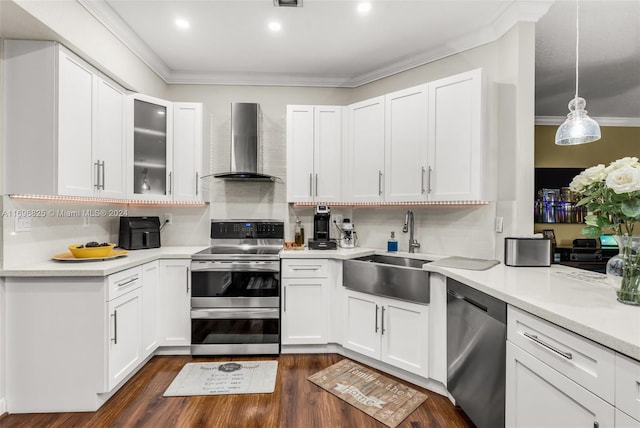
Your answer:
<point x="235" y="313"/>
<point x="235" y="267"/>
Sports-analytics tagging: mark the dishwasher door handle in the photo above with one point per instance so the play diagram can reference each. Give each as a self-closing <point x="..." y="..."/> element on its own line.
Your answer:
<point x="468" y="300"/>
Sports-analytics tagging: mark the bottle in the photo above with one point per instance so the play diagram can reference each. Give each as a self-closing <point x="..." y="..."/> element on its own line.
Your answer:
<point x="298" y="233"/>
<point x="392" y="243"/>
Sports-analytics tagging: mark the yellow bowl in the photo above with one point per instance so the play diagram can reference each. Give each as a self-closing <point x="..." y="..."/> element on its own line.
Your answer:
<point x="90" y="252"/>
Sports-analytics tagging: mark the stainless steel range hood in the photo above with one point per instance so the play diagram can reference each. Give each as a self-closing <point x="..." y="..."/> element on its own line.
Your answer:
<point x="245" y="144"/>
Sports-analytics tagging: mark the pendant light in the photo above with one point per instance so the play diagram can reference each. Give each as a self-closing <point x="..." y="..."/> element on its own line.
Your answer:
<point x="578" y="128"/>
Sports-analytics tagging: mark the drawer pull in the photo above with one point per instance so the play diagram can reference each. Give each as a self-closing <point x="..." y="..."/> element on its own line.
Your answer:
<point x="133" y="279"/>
<point x="306" y="268"/>
<point x="535" y="338"/>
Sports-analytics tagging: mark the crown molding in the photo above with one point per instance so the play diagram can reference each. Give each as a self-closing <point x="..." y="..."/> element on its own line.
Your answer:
<point x="512" y="13"/>
<point x="602" y="121"/>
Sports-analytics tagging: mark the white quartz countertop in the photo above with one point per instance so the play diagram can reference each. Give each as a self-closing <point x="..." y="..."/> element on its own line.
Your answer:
<point x="578" y="300"/>
<point x="101" y="267"/>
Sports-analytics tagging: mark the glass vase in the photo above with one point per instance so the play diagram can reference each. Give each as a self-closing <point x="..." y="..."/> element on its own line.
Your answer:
<point x="623" y="270"/>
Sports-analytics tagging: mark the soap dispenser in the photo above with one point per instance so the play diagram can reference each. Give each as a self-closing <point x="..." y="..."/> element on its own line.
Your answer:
<point x="392" y="243"/>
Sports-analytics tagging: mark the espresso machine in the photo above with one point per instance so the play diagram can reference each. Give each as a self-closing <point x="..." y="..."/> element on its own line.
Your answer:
<point x="347" y="234"/>
<point x="321" y="229"/>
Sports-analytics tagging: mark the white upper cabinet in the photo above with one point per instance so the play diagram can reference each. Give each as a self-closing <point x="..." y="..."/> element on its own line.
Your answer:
<point x="406" y="144"/>
<point x="314" y="148"/>
<point x="65" y="124"/>
<point x="187" y="151"/>
<point x="364" y="166"/>
<point x="109" y="158"/>
<point x="455" y="170"/>
<point x="150" y="148"/>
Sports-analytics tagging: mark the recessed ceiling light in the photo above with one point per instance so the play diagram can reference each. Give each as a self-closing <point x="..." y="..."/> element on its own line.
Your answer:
<point x="182" y="23"/>
<point x="364" y="7"/>
<point x="275" y="26"/>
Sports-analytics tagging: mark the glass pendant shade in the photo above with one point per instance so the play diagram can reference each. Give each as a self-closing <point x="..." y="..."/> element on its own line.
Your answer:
<point x="578" y="128"/>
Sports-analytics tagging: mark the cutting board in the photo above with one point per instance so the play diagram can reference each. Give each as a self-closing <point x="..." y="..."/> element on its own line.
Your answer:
<point x="465" y="263"/>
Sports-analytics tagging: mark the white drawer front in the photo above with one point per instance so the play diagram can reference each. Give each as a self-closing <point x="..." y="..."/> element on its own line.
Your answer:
<point x="628" y="385"/>
<point x="305" y="268"/>
<point x="585" y="362"/>
<point x="625" y="421"/>
<point x="124" y="281"/>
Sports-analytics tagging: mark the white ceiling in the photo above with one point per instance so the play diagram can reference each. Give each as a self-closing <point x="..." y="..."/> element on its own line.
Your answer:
<point x="322" y="43"/>
<point x="327" y="43"/>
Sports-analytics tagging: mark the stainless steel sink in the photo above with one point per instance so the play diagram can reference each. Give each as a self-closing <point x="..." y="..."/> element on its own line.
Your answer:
<point x="396" y="277"/>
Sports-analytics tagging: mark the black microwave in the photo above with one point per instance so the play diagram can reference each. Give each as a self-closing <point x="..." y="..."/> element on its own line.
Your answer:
<point x="138" y="233"/>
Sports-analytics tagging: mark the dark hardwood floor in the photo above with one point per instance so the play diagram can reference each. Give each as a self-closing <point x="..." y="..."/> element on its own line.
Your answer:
<point x="295" y="403"/>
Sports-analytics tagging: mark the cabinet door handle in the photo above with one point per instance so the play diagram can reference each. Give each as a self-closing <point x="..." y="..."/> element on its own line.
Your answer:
<point x="188" y="279"/>
<point x="377" y="307"/>
<point x="197" y="184"/>
<point x="310" y="184"/>
<point x="379" y="182"/>
<point x="115" y="327"/>
<point x="429" y="180"/>
<point x="422" y="189"/>
<point x="536" y="339"/>
<point x="97" y="165"/>
<point x="284" y="299"/>
<point x="382" y="320"/>
<point x="102" y="183"/>
<point x="316" y="184"/>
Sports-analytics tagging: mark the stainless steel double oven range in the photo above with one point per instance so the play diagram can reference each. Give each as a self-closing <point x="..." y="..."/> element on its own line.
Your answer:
<point x="235" y="289"/>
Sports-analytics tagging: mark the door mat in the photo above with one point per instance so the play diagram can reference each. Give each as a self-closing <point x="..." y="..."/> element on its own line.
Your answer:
<point x="231" y="377"/>
<point x="382" y="398"/>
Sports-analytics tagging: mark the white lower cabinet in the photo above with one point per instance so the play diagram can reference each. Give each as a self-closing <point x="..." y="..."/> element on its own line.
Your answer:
<point x="125" y="335"/>
<point x="175" y="302"/>
<point x="625" y="421"/>
<point x="539" y="396"/>
<point x="627" y="392"/>
<point x="556" y="378"/>
<point x="305" y="308"/>
<point x="304" y="311"/>
<point x="150" y="302"/>
<point x="389" y="330"/>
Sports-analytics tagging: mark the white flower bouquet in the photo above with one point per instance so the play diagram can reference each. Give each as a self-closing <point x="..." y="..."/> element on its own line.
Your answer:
<point x="612" y="197"/>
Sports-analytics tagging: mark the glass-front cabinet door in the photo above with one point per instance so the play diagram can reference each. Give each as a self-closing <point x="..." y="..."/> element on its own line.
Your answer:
<point x="151" y="148"/>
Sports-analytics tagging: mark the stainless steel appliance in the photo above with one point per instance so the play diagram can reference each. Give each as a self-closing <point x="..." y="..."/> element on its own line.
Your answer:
<point x="246" y="121"/>
<point x="137" y="233"/>
<point x="348" y="234"/>
<point x="527" y="252"/>
<point x="321" y="233"/>
<point x="235" y="289"/>
<point x="476" y="347"/>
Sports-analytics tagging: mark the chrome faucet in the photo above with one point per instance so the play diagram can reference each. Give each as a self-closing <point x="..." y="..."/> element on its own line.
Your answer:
<point x="408" y="227"/>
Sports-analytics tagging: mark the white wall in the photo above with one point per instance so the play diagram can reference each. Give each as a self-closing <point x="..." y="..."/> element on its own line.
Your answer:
<point x="79" y="31"/>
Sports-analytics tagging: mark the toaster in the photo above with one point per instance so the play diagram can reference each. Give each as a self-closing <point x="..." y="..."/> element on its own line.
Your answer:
<point x="138" y="233"/>
<point x="527" y="252"/>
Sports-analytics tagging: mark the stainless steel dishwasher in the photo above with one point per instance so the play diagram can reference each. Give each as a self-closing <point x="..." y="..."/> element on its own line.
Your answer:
<point x="476" y="346"/>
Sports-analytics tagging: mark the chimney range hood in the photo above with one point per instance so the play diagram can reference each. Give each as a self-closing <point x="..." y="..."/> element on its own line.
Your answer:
<point x="245" y="144"/>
